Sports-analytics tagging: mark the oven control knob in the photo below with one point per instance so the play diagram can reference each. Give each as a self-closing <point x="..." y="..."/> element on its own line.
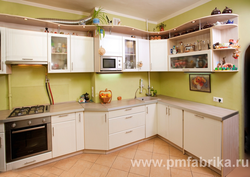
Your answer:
<point x="13" y="125"/>
<point x="29" y="123"/>
<point x="43" y="120"/>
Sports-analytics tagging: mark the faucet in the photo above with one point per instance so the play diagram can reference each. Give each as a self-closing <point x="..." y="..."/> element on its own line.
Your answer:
<point x="143" y="88"/>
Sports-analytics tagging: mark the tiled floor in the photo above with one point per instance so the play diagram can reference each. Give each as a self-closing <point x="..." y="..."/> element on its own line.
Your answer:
<point x="118" y="164"/>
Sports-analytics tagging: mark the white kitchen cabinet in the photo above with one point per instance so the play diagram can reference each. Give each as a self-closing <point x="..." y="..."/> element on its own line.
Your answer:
<point x="151" y="120"/>
<point x="143" y="55"/>
<point x="63" y="134"/>
<point x="79" y="131"/>
<point x="175" y="125"/>
<point x="96" y="130"/>
<point x="130" y="54"/>
<point x="159" y="55"/>
<point x="22" y="45"/>
<point x="202" y="136"/>
<point x="162" y="120"/>
<point x="82" y="54"/>
<point x="112" y="45"/>
<point x="2" y="152"/>
<point x="58" y="53"/>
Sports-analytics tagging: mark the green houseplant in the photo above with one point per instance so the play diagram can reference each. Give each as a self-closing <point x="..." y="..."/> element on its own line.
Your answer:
<point x="98" y="17"/>
<point x="161" y="26"/>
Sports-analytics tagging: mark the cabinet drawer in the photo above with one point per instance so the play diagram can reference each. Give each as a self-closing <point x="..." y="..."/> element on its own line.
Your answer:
<point x="126" y="122"/>
<point x="28" y="161"/>
<point x="125" y="137"/>
<point x="63" y="117"/>
<point x="126" y="111"/>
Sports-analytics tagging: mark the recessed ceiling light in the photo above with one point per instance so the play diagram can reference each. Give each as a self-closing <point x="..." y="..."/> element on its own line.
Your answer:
<point x="83" y="26"/>
<point x="193" y="21"/>
<point x="133" y="29"/>
<point x="25" y="19"/>
<point x="175" y="29"/>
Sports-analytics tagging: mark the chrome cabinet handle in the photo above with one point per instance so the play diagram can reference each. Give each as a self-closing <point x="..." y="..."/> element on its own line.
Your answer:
<point x="166" y="110"/>
<point x="79" y="117"/>
<point x="169" y="111"/>
<point x="53" y="131"/>
<point x="147" y="110"/>
<point x="27" y="59"/>
<point x="29" y="162"/>
<point x="129" y="109"/>
<point x="63" y="115"/>
<point x="105" y="118"/>
<point x="2" y="66"/>
<point x="129" y="131"/>
<point x="0" y="142"/>
<point x="72" y="66"/>
<point x="199" y="116"/>
<point x="129" y="117"/>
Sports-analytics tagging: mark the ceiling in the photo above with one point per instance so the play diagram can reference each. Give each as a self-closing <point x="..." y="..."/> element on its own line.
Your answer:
<point x="153" y="10"/>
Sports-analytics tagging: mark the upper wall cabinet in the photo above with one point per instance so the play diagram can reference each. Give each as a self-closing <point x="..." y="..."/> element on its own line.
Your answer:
<point x="26" y="46"/>
<point x="58" y="53"/>
<point x="130" y="54"/>
<point x="4" y="69"/>
<point x="112" y="45"/>
<point x="82" y="54"/>
<point x="159" y="55"/>
<point x="143" y="63"/>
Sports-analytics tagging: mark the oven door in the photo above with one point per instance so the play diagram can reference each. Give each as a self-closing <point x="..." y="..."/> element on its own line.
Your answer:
<point x="108" y="63"/>
<point x="28" y="141"/>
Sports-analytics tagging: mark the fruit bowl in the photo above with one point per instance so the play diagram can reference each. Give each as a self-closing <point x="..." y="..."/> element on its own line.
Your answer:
<point x="105" y="96"/>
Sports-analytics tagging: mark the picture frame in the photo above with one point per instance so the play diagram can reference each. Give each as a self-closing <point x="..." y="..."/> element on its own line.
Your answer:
<point x="200" y="82"/>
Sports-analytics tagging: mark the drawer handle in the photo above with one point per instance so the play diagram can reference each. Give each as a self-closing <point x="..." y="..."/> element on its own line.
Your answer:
<point x="199" y="116"/>
<point x="147" y="110"/>
<point x="129" y="117"/>
<point x="129" y="109"/>
<point x="63" y="115"/>
<point x="0" y="142"/>
<point x="3" y="66"/>
<point x="169" y="111"/>
<point x="129" y="131"/>
<point x="79" y="117"/>
<point x="27" y="59"/>
<point x="29" y="162"/>
<point x="166" y="110"/>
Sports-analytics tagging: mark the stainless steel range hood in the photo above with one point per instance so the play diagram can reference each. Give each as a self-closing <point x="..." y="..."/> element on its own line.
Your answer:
<point x="26" y="62"/>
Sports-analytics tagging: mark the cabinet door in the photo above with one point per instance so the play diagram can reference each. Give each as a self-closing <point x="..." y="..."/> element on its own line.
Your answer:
<point x="175" y="126"/>
<point x="58" y="53"/>
<point x="2" y="153"/>
<point x="162" y="120"/>
<point x="143" y="54"/>
<point x="130" y="53"/>
<point x="79" y="131"/>
<point x="151" y="120"/>
<point x="112" y="45"/>
<point x="4" y="69"/>
<point x="202" y="136"/>
<point x="82" y="54"/>
<point x="96" y="130"/>
<point x="63" y="138"/>
<point x="24" y="45"/>
<point x="159" y="55"/>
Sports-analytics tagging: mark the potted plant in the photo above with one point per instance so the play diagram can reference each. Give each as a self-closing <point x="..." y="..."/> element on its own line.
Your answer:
<point x="98" y="16"/>
<point x="161" y="26"/>
<point x="100" y="31"/>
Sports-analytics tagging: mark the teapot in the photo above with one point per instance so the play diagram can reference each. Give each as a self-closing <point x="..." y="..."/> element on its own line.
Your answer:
<point x="217" y="23"/>
<point x="86" y="96"/>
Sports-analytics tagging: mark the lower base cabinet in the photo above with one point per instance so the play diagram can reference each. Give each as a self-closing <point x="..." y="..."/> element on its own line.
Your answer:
<point x="79" y="131"/>
<point x="151" y="120"/>
<point x="202" y="136"/>
<point x="2" y="152"/>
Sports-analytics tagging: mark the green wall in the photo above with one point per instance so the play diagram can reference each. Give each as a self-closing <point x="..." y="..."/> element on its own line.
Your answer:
<point x="3" y="92"/>
<point x="229" y="86"/>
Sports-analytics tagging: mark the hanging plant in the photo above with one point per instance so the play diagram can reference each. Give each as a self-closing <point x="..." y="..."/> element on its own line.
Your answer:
<point x="100" y="31"/>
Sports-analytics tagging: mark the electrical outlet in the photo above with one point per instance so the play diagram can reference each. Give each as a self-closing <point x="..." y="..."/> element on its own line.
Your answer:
<point x="218" y="99"/>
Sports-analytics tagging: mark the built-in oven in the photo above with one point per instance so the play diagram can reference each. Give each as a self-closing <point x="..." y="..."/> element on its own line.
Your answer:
<point x="111" y="63"/>
<point x="25" y="138"/>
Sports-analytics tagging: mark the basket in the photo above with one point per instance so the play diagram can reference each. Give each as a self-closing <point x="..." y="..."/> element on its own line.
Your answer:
<point x="103" y="95"/>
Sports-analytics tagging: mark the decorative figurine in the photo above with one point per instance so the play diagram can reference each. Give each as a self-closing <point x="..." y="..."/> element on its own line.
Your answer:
<point x="223" y="60"/>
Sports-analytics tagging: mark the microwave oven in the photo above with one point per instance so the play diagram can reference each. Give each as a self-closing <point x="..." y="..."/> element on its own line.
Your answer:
<point x="111" y="63"/>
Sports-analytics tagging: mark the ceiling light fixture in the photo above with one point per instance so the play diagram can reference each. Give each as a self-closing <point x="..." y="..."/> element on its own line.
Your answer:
<point x="193" y="21"/>
<point x="175" y="29"/>
<point x="83" y="26"/>
<point x="25" y="19"/>
<point x="133" y="29"/>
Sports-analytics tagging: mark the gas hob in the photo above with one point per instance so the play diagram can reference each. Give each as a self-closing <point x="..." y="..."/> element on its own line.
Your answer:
<point x="23" y="111"/>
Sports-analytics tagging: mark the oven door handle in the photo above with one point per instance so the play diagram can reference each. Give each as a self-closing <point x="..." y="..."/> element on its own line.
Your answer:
<point x="29" y="129"/>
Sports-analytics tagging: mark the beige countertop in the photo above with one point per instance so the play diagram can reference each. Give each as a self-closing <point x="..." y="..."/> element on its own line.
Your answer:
<point x="214" y="112"/>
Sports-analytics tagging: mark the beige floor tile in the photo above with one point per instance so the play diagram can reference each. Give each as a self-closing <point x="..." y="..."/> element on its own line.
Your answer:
<point x="176" y="152"/>
<point x="161" y="149"/>
<point x="128" y="153"/>
<point x="34" y="175"/>
<point x="180" y="173"/>
<point x="203" y="175"/>
<point x="117" y="173"/>
<point x="133" y="147"/>
<point x="202" y="170"/>
<point x="90" y="157"/>
<point x="140" y="170"/>
<point x="83" y="164"/>
<point x="53" y="170"/>
<point x="122" y="163"/>
<point x="146" y="146"/>
<point x="9" y="174"/>
<point x="38" y="170"/>
<point x="103" y="169"/>
<point x="180" y="163"/>
<point x="65" y="164"/>
<point x="106" y="160"/>
<point x="91" y="172"/>
<point x="51" y="175"/>
<point x="157" y="171"/>
<point x="134" y="175"/>
<point x="158" y="141"/>
<point x="67" y="174"/>
<point x="143" y="155"/>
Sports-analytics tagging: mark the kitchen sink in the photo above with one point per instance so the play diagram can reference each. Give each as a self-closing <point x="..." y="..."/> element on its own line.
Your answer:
<point x="147" y="98"/>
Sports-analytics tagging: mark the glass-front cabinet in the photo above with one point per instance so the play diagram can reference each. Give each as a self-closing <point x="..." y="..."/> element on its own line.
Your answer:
<point x="59" y="53"/>
<point x="192" y="61"/>
<point x="129" y="54"/>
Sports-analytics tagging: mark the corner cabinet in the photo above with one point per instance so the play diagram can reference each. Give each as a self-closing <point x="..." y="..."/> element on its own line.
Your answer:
<point x="159" y="55"/>
<point x="151" y="120"/>
<point x="4" y="69"/>
<point x="58" y="53"/>
<point x="82" y="54"/>
<point x="22" y="45"/>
